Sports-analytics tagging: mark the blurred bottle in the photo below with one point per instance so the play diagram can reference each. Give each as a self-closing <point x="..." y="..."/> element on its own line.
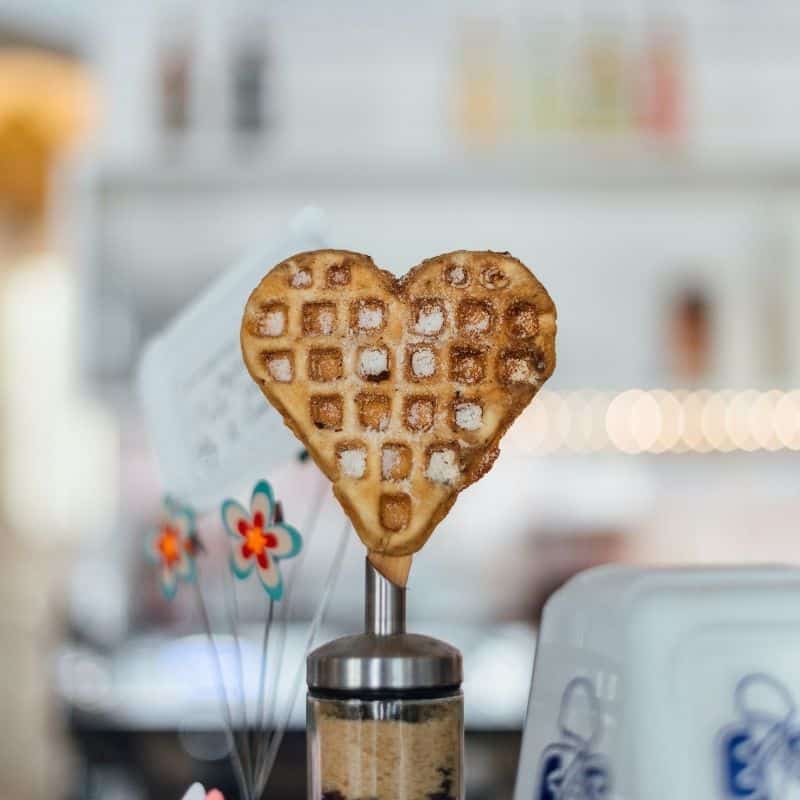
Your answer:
<point x="481" y="99"/>
<point x="660" y="96"/>
<point x="600" y="84"/>
<point x="209" y="99"/>
<point x="546" y="44"/>
<point x="174" y="71"/>
<point x="689" y="345"/>
<point x="772" y="283"/>
<point x="249" y="73"/>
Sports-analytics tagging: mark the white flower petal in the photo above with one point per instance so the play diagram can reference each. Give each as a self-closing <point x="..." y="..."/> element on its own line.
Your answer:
<point x="151" y="547"/>
<point x="242" y="566"/>
<point x="232" y="514"/>
<point x="169" y="581"/>
<point x="196" y="792"/>
<point x="182" y="522"/>
<point x="270" y="577"/>
<point x="286" y="542"/>
<point x="184" y="568"/>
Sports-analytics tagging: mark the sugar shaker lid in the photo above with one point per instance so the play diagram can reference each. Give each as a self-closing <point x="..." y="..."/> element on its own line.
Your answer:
<point x="372" y="662"/>
<point x="385" y="657"/>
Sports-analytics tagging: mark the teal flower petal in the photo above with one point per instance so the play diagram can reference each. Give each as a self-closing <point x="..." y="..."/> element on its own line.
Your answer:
<point x="263" y="501"/>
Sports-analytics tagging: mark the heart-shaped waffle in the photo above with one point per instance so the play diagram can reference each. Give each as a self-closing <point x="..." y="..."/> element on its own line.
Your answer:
<point x="401" y="389"/>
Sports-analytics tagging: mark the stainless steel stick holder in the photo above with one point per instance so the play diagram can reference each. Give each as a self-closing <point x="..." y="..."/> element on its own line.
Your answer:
<point x="385" y="708"/>
<point x="384" y="604"/>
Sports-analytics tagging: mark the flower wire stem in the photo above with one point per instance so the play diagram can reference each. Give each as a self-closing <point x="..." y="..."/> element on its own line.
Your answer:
<point x="236" y="760"/>
<point x="284" y="614"/>
<point x="316" y="622"/>
<point x="260" y="722"/>
<point x="232" y="609"/>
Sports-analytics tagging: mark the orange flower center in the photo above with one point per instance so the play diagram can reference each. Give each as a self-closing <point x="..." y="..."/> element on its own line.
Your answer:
<point x="169" y="545"/>
<point x="258" y="541"/>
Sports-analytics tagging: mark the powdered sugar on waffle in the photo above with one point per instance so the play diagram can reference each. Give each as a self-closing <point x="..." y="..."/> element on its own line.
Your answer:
<point x="469" y="416"/>
<point x="280" y="368"/>
<point x="370" y="318"/>
<point x="389" y="460"/>
<point x="430" y="319"/>
<point x="443" y="467"/>
<point x="373" y="363"/>
<point x="518" y="370"/>
<point x="457" y="276"/>
<point x="301" y="279"/>
<point x="423" y="362"/>
<point x="353" y="462"/>
<point x="274" y="323"/>
<point x="326" y="321"/>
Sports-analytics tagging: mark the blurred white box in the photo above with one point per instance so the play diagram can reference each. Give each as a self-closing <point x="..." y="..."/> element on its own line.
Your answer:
<point x="666" y="683"/>
<point x="210" y="427"/>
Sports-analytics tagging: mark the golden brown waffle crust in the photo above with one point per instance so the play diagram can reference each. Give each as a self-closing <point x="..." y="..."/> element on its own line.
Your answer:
<point x="400" y="388"/>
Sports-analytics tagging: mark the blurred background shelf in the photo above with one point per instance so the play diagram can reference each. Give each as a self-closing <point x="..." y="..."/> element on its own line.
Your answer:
<point x="558" y="169"/>
<point x="701" y="262"/>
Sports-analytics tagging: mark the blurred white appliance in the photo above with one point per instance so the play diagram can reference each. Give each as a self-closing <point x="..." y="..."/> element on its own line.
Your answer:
<point x="667" y="683"/>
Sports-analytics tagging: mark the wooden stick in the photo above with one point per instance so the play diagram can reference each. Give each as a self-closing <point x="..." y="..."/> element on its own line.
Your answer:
<point x="394" y="568"/>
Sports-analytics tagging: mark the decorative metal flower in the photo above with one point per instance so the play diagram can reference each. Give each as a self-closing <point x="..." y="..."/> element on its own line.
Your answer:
<point x="173" y="546"/>
<point x="261" y="538"/>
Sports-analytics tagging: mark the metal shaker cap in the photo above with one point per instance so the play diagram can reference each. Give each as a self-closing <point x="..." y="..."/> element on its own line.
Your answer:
<point x="385" y="658"/>
<point x="398" y="662"/>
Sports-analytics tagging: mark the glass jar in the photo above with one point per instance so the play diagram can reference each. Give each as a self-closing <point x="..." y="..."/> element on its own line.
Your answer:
<point x="385" y="710"/>
<point x="404" y="748"/>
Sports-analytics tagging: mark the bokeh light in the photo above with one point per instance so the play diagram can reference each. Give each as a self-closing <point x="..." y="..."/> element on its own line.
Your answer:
<point x="660" y="421"/>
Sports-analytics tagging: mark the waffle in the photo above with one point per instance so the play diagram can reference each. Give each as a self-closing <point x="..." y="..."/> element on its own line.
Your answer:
<point x="401" y="389"/>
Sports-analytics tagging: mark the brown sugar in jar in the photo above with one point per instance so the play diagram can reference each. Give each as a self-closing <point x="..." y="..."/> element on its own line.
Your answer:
<point x="383" y="749"/>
